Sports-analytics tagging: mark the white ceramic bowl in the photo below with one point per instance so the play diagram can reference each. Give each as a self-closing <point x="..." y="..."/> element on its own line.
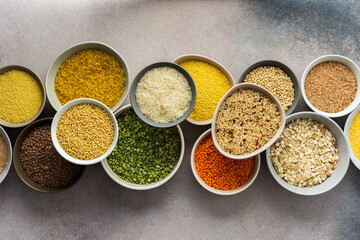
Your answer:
<point x="189" y="57"/>
<point x="54" y="67"/>
<point x="349" y="120"/>
<point x="334" y="58"/>
<point x="134" y="186"/>
<point x="38" y="80"/>
<point x="214" y="190"/>
<point x="4" y="135"/>
<point x="266" y="145"/>
<point x="55" y="122"/>
<point x="340" y="169"/>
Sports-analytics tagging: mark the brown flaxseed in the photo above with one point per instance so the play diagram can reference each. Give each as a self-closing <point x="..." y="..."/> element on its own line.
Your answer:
<point x="330" y="86"/>
<point x="247" y="120"/>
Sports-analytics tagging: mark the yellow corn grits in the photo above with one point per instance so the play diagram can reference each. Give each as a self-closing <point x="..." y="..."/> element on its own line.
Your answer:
<point x="354" y="135"/>
<point x="211" y="85"/>
<point x="90" y="73"/>
<point x="20" y="96"/>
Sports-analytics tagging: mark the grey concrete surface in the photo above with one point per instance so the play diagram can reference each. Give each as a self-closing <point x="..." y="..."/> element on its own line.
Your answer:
<point x="235" y="33"/>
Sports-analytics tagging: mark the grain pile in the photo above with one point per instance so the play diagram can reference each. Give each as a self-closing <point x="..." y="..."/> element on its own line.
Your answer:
<point x="163" y="94"/>
<point x="305" y="154"/>
<point x="85" y="131"/>
<point x="276" y="81"/>
<point x="90" y="73"/>
<point x="330" y="87"/>
<point x="246" y="121"/>
<point x="211" y="85"/>
<point x="21" y="96"/>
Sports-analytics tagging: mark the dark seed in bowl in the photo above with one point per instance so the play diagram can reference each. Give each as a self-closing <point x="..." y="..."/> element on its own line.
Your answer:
<point x="42" y="163"/>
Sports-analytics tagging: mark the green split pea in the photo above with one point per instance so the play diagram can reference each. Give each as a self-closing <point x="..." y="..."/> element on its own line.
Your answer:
<point x="143" y="154"/>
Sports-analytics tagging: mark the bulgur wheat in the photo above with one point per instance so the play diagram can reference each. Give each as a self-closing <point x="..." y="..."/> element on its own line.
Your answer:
<point x="246" y="121"/>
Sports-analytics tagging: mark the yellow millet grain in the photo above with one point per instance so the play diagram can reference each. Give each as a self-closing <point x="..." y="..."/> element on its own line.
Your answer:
<point x="354" y="135"/>
<point x="20" y="96"/>
<point x="211" y="85"/>
<point x="90" y="73"/>
<point x="85" y="131"/>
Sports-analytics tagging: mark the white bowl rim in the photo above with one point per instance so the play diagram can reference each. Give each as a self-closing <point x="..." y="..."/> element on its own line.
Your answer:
<point x="348" y="122"/>
<point x="309" y="191"/>
<point x="134" y="186"/>
<point x="266" y="145"/>
<point x="51" y="95"/>
<point x="7" y="141"/>
<point x="55" y="122"/>
<point x="187" y="57"/>
<point x="334" y="58"/>
<point x="218" y="191"/>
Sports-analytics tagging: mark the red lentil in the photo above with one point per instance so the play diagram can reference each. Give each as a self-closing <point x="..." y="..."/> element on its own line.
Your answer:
<point x="218" y="171"/>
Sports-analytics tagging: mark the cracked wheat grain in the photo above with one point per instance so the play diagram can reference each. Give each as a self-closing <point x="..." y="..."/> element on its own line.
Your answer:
<point x="247" y="120"/>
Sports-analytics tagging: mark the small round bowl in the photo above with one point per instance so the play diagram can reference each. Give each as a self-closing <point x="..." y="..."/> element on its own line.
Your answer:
<point x="333" y="58"/>
<point x="55" y="122"/>
<point x="340" y="169"/>
<point x="38" y="80"/>
<point x="9" y="150"/>
<point x="214" y="190"/>
<point x="134" y="186"/>
<point x="287" y="70"/>
<point x="228" y="75"/>
<point x="265" y="146"/>
<point x="19" y="168"/>
<point x="349" y="120"/>
<point x="54" y="67"/>
<point x="138" y="78"/>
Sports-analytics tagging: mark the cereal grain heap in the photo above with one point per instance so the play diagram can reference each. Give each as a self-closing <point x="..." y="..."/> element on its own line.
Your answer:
<point x="276" y="81"/>
<point x="211" y="85"/>
<point x="90" y="73"/>
<point x="305" y="154"/>
<point x="163" y="94"/>
<point x="85" y="131"/>
<point x="354" y="135"/>
<point x="330" y="87"/>
<point x="247" y="120"/>
<point x="20" y="96"/>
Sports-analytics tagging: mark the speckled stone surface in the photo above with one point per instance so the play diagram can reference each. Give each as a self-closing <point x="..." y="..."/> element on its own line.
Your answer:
<point x="236" y="34"/>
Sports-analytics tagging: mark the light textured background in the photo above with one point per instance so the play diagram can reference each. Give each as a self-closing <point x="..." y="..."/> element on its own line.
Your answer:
<point x="235" y="33"/>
